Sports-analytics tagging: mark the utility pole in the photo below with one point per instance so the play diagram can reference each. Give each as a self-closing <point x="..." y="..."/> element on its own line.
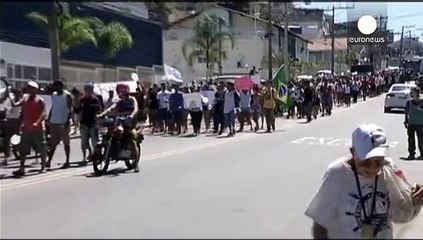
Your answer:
<point x="54" y="40"/>
<point x="269" y="38"/>
<point x="401" y="46"/>
<point x="285" y="42"/>
<point x="332" y="60"/>
<point x="332" y="65"/>
<point x="220" y="46"/>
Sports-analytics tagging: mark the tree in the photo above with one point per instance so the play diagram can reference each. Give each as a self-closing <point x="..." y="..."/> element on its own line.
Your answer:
<point x="112" y="37"/>
<point x="205" y="42"/>
<point x="72" y="31"/>
<point x="347" y="57"/>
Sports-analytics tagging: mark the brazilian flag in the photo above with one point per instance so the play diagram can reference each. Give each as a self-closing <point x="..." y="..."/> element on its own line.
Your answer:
<point x="280" y="83"/>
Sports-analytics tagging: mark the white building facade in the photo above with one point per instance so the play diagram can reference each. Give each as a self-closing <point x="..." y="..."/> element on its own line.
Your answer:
<point x="251" y="45"/>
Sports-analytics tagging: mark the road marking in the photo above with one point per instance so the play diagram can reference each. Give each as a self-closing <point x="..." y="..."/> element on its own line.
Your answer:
<point x="88" y="169"/>
<point x="330" y="142"/>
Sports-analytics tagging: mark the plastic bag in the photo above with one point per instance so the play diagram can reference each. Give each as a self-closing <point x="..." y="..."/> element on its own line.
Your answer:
<point x="404" y="207"/>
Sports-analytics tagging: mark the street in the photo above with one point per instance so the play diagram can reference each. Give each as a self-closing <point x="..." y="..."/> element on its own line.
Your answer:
<point x="249" y="186"/>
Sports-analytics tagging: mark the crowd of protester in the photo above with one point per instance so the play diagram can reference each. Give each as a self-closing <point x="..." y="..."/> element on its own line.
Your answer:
<point x="162" y="109"/>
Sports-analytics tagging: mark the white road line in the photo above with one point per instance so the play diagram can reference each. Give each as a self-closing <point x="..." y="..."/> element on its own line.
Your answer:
<point x="88" y="169"/>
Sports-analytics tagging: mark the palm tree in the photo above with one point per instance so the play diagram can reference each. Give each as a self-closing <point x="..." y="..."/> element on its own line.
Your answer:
<point x="73" y="31"/>
<point x="205" y="42"/>
<point x="112" y="37"/>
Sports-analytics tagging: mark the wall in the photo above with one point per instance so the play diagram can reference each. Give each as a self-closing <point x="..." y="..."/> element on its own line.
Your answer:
<point x="25" y="55"/>
<point x="250" y="45"/>
<point x="246" y="51"/>
<point x="147" y="50"/>
<point x="326" y="56"/>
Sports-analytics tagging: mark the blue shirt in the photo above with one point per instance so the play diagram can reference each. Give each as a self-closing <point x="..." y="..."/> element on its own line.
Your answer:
<point x="176" y="101"/>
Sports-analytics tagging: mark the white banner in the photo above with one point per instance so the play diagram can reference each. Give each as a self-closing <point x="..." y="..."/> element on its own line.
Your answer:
<point x="192" y="100"/>
<point x="172" y="74"/>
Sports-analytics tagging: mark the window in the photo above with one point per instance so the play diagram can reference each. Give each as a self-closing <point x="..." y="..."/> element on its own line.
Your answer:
<point x="202" y="60"/>
<point x="18" y="71"/>
<point x="29" y="71"/>
<point x="10" y="71"/>
<point x="398" y="88"/>
<point x="44" y="74"/>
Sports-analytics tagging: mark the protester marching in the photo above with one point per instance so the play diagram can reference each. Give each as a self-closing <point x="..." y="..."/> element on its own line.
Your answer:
<point x="215" y="106"/>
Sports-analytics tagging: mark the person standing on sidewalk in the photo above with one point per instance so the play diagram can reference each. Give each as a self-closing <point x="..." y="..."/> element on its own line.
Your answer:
<point x="32" y="133"/>
<point x="269" y="104"/>
<point x="88" y="107"/>
<point x="414" y="124"/>
<point x="58" y="120"/>
<point x="355" y="200"/>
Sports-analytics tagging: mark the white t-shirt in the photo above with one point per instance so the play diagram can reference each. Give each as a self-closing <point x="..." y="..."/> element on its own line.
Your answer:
<point x="336" y="205"/>
<point x="163" y="98"/>
<point x="229" y="104"/>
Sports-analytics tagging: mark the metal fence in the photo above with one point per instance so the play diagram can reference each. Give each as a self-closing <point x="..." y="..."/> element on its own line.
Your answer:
<point x="124" y="74"/>
<point x="75" y="76"/>
<point x="106" y="75"/>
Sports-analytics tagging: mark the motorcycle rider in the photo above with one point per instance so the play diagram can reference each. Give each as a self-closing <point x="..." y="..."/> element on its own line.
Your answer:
<point x="125" y="106"/>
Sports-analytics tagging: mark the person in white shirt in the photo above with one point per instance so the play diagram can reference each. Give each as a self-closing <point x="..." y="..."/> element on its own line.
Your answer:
<point x="245" y="106"/>
<point x="354" y="200"/>
<point x="163" y="100"/>
<point x="229" y="106"/>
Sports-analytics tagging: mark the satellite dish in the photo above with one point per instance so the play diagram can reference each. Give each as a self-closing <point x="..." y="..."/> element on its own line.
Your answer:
<point x="135" y="77"/>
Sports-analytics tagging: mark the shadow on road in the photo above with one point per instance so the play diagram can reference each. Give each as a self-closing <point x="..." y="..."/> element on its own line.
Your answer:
<point x="396" y="112"/>
<point x="111" y="173"/>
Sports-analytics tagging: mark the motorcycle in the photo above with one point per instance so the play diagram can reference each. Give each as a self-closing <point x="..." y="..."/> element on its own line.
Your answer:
<point x="112" y="144"/>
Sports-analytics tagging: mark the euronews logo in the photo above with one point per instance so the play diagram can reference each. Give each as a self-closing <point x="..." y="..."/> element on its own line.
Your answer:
<point x="367" y="26"/>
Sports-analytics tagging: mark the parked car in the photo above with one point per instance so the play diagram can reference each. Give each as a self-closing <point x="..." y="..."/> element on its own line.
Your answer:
<point x="398" y="95"/>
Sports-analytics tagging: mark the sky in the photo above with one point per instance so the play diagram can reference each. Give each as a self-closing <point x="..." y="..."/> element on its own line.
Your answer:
<point x="409" y="14"/>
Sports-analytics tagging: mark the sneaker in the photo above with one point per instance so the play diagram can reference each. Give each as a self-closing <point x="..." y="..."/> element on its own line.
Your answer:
<point x="18" y="173"/>
<point x="410" y="157"/>
<point x="419" y="157"/>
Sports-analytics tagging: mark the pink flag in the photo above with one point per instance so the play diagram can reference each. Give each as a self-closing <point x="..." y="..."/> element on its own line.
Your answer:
<point x="244" y="83"/>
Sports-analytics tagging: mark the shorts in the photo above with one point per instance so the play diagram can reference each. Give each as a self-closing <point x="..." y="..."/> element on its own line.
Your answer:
<point x="326" y="101"/>
<point x="178" y="116"/>
<point x="33" y="140"/>
<point x="153" y="115"/>
<point x="164" y="114"/>
<point x="230" y="118"/>
<point x="59" y="132"/>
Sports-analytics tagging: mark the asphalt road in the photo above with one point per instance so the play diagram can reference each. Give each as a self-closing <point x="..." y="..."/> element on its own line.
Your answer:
<point x="250" y="186"/>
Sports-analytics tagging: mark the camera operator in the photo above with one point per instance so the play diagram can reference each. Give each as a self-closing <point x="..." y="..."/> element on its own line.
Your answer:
<point x="414" y="123"/>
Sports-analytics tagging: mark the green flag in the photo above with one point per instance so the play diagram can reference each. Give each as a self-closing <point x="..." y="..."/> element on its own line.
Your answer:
<point x="281" y="85"/>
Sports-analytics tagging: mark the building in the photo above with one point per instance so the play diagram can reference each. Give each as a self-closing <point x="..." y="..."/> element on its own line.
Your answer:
<point x="25" y="46"/>
<point x="321" y="51"/>
<point x="251" y="45"/>
<point x="310" y="23"/>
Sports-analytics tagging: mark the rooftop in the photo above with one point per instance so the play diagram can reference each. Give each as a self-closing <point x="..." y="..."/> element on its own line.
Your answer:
<point x="322" y="44"/>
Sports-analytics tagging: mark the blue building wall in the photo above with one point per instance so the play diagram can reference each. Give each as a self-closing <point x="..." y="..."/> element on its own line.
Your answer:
<point x="147" y="50"/>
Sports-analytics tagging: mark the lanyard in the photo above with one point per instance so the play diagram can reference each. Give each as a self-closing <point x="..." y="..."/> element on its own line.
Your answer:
<point x="366" y="217"/>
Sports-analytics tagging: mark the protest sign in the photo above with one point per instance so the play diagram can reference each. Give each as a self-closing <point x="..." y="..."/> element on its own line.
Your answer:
<point x="192" y="100"/>
<point x="244" y="83"/>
